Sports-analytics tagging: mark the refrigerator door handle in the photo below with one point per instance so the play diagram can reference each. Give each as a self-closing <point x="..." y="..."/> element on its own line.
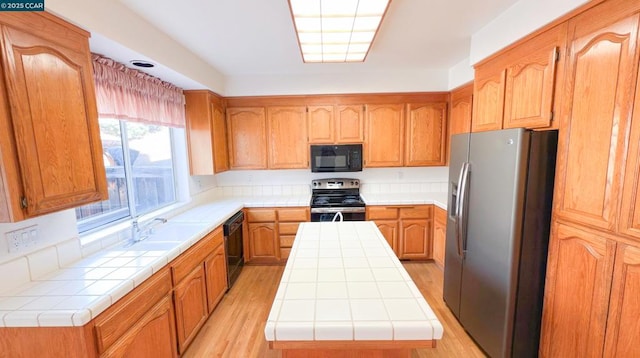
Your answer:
<point x="462" y="187"/>
<point x="456" y="214"/>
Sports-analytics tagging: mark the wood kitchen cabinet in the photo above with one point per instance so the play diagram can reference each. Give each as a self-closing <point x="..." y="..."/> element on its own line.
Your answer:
<point x="461" y="103"/>
<point x="384" y="135"/>
<point x="206" y="133"/>
<point x="517" y="88"/>
<point x="426" y="134"/>
<point x="579" y="275"/>
<point x="287" y="137"/>
<point x="289" y="220"/>
<point x="407" y="229"/>
<point x="190" y="299"/>
<point x="439" y="235"/>
<point x="47" y="92"/>
<point x="263" y="241"/>
<point x="216" y="275"/>
<point x="247" y="132"/>
<point x="336" y="124"/>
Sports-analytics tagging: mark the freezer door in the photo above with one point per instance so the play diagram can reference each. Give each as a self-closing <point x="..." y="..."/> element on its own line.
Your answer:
<point x="453" y="260"/>
<point x="498" y="164"/>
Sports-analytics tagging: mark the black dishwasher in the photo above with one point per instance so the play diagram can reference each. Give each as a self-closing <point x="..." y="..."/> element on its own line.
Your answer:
<point x="233" y="246"/>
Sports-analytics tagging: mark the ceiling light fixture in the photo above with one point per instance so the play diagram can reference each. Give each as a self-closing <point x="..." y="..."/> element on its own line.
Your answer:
<point x="336" y="30"/>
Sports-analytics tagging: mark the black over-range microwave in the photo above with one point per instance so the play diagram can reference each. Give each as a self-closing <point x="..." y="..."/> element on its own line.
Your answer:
<point x="336" y="158"/>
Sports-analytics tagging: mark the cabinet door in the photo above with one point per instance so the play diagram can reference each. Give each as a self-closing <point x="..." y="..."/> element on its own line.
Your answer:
<point x="199" y="132"/>
<point x="216" y="273"/>
<point x="389" y="229"/>
<point x="601" y="71"/>
<point x="576" y="293"/>
<point x="152" y="336"/>
<point x="263" y="242"/>
<point x="53" y="112"/>
<point x="220" y="151"/>
<point x="439" y="235"/>
<point x="426" y="134"/>
<point x="321" y="124"/>
<point x="415" y="239"/>
<point x="350" y="124"/>
<point x="384" y="139"/>
<point x="629" y="219"/>
<point x="288" y="145"/>
<point x="247" y="138"/>
<point x="190" y="298"/>
<point x="461" y="109"/>
<point x="623" y="326"/>
<point x="488" y="99"/>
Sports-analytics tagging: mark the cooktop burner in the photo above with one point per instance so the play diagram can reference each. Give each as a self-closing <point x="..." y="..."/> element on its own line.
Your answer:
<point x="334" y="193"/>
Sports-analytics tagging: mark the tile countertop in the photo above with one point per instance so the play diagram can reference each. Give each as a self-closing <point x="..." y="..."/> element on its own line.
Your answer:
<point x="343" y="282"/>
<point x="437" y="198"/>
<point x="76" y="293"/>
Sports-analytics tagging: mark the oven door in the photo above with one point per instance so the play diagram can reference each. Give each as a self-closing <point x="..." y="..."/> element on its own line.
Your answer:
<point x="336" y="158"/>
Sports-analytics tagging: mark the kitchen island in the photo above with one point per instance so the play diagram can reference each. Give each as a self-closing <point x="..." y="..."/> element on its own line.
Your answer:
<point x="343" y="291"/>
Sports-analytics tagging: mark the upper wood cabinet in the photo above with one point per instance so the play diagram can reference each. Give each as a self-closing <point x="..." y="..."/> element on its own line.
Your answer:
<point x="336" y="124"/>
<point x="461" y="102"/>
<point x="384" y="135"/>
<point x="350" y="124"/>
<point x="602" y="65"/>
<point x="531" y="80"/>
<point x="247" y="132"/>
<point x="488" y="99"/>
<point x="426" y="134"/>
<point x="517" y="88"/>
<point x="206" y="133"/>
<point x="287" y="131"/>
<point x="50" y="149"/>
<point x="579" y="274"/>
<point x="321" y="124"/>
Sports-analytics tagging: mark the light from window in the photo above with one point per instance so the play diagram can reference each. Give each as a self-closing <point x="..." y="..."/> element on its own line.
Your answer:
<point x="138" y="160"/>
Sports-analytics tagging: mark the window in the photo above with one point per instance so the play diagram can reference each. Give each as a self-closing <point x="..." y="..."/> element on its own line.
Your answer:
<point x="139" y="163"/>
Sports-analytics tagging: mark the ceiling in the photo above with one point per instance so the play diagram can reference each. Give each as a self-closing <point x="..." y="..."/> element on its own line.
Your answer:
<point x="256" y="37"/>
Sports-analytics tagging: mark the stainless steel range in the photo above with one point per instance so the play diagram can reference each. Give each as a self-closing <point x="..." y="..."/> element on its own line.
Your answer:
<point x="330" y="196"/>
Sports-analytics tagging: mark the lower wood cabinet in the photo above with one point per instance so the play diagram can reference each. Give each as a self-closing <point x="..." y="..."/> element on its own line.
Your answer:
<point x="407" y="229"/>
<point x="439" y="235"/>
<point x="152" y="336"/>
<point x="216" y="274"/>
<point x="190" y="299"/>
<point x="271" y="232"/>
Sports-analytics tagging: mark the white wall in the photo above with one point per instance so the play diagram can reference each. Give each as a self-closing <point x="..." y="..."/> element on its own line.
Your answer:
<point x="460" y="73"/>
<point x="116" y="22"/>
<point x="519" y="20"/>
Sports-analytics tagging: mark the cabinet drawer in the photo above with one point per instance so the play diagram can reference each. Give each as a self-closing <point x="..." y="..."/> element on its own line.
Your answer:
<point x="286" y="240"/>
<point x="416" y="212"/>
<point x="293" y="214"/>
<point x="182" y="266"/>
<point x="284" y="253"/>
<point x="440" y="215"/>
<point x="117" y="319"/>
<point x="261" y="215"/>
<point x="288" y="228"/>
<point x="381" y="212"/>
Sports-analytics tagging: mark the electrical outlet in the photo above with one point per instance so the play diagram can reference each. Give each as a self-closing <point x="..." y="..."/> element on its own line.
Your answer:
<point x="21" y="239"/>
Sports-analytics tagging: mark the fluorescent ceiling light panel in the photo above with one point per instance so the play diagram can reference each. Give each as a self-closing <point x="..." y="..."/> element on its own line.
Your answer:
<point x="336" y="30"/>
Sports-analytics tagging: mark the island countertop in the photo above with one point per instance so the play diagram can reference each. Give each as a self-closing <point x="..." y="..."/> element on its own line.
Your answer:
<point x="343" y="282"/>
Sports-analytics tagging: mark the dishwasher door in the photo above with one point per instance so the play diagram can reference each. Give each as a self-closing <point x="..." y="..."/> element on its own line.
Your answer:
<point x="233" y="246"/>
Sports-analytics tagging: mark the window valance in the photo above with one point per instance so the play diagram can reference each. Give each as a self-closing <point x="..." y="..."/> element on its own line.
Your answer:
<point x="132" y="95"/>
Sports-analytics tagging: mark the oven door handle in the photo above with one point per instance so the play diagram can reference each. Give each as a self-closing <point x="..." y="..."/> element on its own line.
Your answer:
<point x="336" y="210"/>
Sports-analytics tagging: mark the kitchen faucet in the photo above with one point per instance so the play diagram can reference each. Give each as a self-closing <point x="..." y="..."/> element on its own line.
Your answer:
<point x="139" y="233"/>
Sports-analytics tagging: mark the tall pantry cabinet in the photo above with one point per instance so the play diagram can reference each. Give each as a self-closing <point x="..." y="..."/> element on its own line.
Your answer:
<point x="591" y="295"/>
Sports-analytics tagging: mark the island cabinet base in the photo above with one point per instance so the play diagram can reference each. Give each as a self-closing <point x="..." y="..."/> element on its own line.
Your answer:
<point x="349" y="349"/>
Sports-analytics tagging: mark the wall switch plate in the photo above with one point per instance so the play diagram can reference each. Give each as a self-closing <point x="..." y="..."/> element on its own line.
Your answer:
<point x="22" y="239"/>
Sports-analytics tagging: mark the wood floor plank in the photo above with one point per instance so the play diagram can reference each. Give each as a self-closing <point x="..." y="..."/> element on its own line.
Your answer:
<point x="236" y="327"/>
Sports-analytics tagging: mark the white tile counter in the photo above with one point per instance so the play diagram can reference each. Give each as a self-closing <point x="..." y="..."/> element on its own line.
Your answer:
<point x="343" y="282"/>
<point x="417" y="198"/>
<point x="77" y="292"/>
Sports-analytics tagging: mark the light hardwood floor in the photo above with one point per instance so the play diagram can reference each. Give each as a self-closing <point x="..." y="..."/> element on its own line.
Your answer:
<point x="236" y="327"/>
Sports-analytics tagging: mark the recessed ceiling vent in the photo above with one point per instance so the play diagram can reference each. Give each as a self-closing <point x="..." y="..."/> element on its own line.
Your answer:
<point x="142" y="63"/>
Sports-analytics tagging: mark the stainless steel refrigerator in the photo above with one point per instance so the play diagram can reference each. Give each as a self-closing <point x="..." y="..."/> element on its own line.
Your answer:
<point x="499" y="212"/>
